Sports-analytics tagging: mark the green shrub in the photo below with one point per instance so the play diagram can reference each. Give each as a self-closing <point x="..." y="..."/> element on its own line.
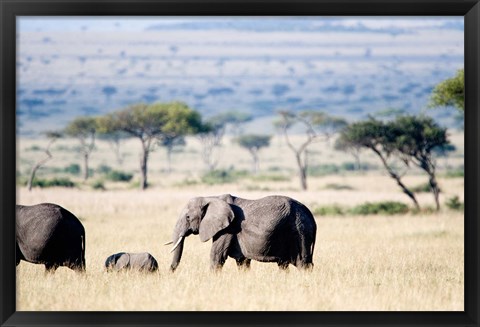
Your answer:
<point x="186" y="182"/>
<point x="422" y="188"/>
<point x="348" y="166"/>
<point x="136" y="185"/>
<point x="380" y="208"/>
<point x="454" y="203"/>
<point x="274" y="169"/>
<point x="98" y="185"/>
<point x="335" y="186"/>
<point x="223" y="176"/>
<point x="33" y="148"/>
<point x="455" y="173"/>
<point x="62" y="182"/>
<point x="73" y="169"/>
<point x="118" y="176"/>
<point x="329" y="210"/>
<point x="271" y="178"/>
<point x="22" y="180"/>
<point x="218" y="177"/>
<point x="104" y="169"/>
<point x="257" y="188"/>
<point x="322" y="170"/>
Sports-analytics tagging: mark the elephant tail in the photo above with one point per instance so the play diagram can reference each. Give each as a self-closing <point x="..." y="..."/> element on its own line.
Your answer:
<point x="83" y="264"/>
<point x="313" y="241"/>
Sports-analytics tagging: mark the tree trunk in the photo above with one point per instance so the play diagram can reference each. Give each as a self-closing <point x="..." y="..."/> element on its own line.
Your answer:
<point x="302" y="171"/>
<point x="208" y="146"/>
<point x="115" y="145"/>
<point x="428" y="166"/>
<point x="143" y="168"/>
<point x="358" y="164"/>
<point x="405" y="189"/>
<point x="398" y="180"/>
<point x="435" y="190"/>
<point x="40" y="164"/>
<point x="85" y="166"/>
<point x="35" y="168"/>
<point x="32" y="174"/>
<point x="255" y="165"/>
<point x="169" y="159"/>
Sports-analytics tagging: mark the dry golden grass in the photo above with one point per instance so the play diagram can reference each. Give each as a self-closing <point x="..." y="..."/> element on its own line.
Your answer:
<point x="361" y="263"/>
<point x="407" y="262"/>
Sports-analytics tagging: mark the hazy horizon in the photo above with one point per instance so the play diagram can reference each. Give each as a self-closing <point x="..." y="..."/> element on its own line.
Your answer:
<point x="349" y="66"/>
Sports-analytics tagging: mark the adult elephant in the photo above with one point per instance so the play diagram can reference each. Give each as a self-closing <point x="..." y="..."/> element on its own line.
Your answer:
<point x="271" y="229"/>
<point x="51" y="235"/>
<point x="143" y="261"/>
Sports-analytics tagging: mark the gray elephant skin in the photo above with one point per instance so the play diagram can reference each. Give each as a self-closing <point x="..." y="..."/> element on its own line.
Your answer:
<point x="131" y="261"/>
<point x="271" y="229"/>
<point x="48" y="234"/>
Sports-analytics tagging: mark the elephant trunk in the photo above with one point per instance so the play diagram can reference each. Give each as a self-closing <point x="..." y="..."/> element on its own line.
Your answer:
<point x="177" y="254"/>
<point x="178" y="239"/>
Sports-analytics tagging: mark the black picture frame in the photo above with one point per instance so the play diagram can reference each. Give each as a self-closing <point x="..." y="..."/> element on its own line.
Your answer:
<point x="10" y="9"/>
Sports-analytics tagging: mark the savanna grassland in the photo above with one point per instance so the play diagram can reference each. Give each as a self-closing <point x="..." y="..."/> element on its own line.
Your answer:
<point x="411" y="261"/>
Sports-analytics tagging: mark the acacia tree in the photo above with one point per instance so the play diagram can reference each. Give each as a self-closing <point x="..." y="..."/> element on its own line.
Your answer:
<point x="353" y="149"/>
<point x="317" y="126"/>
<point x="416" y="138"/>
<point x="412" y="139"/>
<point x="169" y="142"/>
<point x="378" y="137"/>
<point x="210" y="136"/>
<point x="113" y="137"/>
<point x="52" y="136"/>
<point x="253" y="143"/>
<point x="148" y="123"/>
<point x="213" y="130"/>
<point x="84" y="130"/>
<point x="450" y="92"/>
<point x="235" y="120"/>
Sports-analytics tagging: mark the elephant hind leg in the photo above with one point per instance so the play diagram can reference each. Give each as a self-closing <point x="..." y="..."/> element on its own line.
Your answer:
<point x="243" y="263"/>
<point x="282" y="265"/>
<point x="305" y="257"/>
<point x="304" y="262"/>
<point x="304" y="265"/>
<point x="78" y="268"/>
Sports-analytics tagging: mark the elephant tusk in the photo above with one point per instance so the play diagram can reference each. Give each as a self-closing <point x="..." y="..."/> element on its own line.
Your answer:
<point x="169" y="242"/>
<point x="176" y="244"/>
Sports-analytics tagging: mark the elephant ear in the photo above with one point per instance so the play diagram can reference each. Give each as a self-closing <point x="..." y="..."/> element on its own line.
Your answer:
<point x="218" y="215"/>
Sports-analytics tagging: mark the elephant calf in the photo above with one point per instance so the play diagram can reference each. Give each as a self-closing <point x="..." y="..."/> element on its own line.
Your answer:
<point x="135" y="261"/>
<point x="48" y="234"/>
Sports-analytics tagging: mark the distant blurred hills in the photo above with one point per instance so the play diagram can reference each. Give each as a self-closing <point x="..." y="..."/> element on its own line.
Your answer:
<point x="345" y="67"/>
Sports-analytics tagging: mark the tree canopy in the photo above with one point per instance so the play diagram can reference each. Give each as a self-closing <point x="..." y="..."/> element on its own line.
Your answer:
<point x="155" y="120"/>
<point x="450" y="92"/>
<point x="83" y="129"/>
<point x="409" y="138"/>
<point x="316" y="125"/>
<point x="253" y="143"/>
<point x="150" y="122"/>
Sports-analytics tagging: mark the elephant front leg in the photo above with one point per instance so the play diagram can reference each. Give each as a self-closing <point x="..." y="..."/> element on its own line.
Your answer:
<point x="219" y="252"/>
